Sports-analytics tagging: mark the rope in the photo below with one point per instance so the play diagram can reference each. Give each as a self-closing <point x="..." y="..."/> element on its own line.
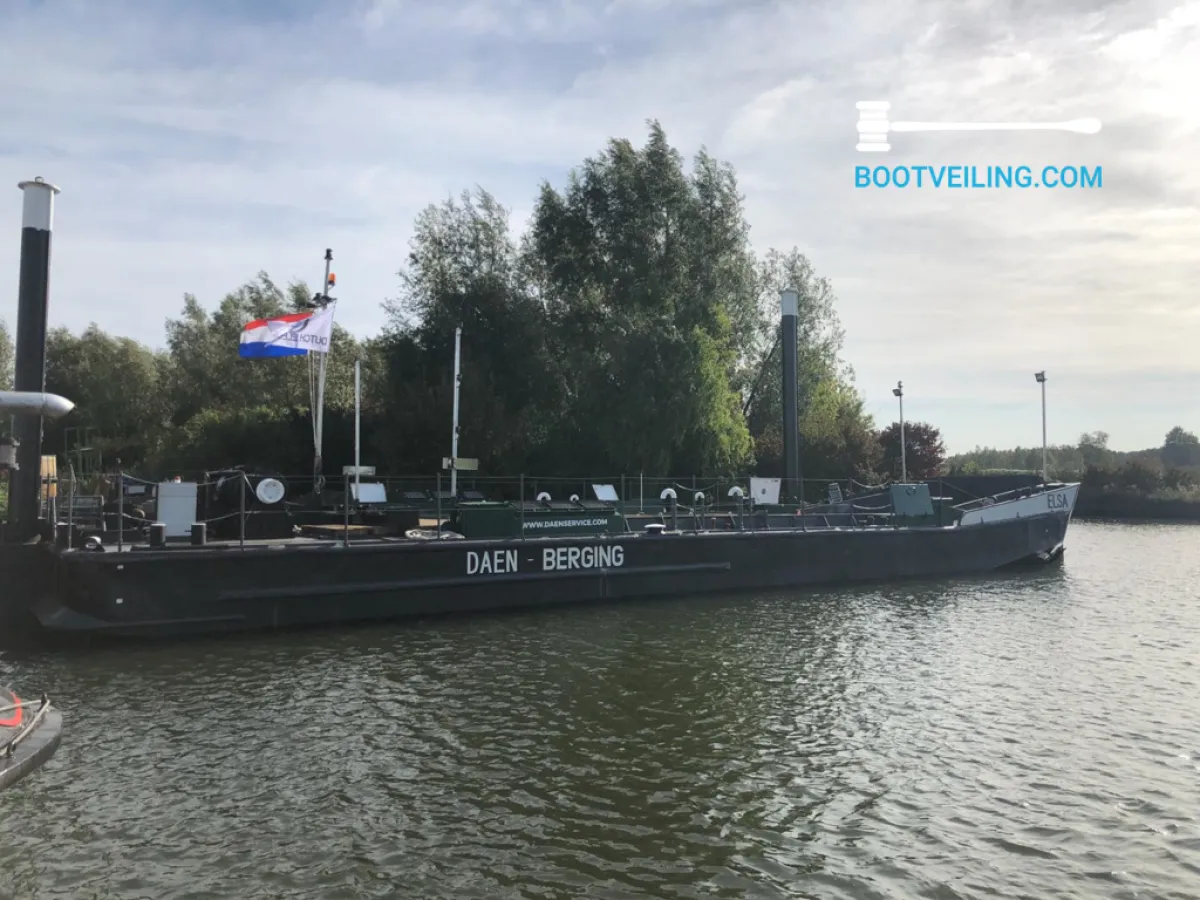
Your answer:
<point x="870" y="487"/>
<point x="705" y="490"/>
<point x="24" y="703"/>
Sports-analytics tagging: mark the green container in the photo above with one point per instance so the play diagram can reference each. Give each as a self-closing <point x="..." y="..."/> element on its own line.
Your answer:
<point x="503" y="520"/>
<point x="486" y="519"/>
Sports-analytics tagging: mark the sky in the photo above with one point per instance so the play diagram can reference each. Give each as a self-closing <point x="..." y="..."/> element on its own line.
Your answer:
<point x="198" y="143"/>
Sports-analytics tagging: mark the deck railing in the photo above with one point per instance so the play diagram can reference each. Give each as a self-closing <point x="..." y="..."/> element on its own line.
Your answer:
<point x="1015" y="494"/>
<point x="227" y="499"/>
<point x="229" y="506"/>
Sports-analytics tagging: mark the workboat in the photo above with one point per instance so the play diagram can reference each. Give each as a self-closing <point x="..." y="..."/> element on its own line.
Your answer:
<point x="157" y="573"/>
<point x="30" y="731"/>
<point x="490" y="555"/>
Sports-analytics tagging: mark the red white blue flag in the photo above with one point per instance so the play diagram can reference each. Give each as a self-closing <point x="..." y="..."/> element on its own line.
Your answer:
<point x="297" y="334"/>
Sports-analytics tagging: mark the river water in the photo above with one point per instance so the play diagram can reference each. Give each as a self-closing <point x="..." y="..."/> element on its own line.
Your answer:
<point x="1033" y="735"/>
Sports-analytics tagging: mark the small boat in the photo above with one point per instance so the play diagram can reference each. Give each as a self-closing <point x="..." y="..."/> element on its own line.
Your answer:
<point x="30" y="731"/>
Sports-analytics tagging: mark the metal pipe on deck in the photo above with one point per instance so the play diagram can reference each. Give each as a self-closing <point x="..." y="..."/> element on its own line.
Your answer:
<point x="36" y="403"/>
<point x="33" y="308"/>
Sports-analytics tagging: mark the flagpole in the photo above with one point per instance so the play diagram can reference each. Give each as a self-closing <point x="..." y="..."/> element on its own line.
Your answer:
<point x="454" y="433"/>
<point x="319" y="404"/>
<point x="357" y="426"/>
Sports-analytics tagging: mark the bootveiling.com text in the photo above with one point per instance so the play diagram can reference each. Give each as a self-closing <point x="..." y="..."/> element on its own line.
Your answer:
<point x="978" y="177"/>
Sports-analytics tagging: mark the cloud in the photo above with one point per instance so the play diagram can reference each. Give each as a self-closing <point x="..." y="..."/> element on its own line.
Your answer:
<point x="199" y="143"/>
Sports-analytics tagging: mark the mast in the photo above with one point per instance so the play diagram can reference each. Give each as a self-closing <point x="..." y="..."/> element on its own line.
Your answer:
<point x="317" y="385"/>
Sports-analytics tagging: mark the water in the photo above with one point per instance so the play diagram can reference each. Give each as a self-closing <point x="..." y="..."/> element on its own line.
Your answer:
<point x="1032" y="735"/>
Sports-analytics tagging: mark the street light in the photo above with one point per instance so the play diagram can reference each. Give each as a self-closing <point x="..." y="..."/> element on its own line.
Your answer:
<point x="1041" y="379"/>
<point x="898" y="391"/>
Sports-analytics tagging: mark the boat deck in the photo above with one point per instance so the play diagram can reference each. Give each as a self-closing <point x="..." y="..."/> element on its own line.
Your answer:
<point x="338" y="537"/>
<point x="30" y="731"/>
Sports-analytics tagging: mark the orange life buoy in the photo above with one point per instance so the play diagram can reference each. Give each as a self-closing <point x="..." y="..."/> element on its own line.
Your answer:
<point x="18" y="713"/>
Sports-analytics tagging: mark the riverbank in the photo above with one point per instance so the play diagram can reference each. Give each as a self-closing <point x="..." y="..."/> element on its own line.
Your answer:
<point x="1094" y="502"/>
<point x="1120" y="505"/>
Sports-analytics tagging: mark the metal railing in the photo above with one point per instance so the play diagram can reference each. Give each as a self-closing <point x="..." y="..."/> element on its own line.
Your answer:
<point x="1005" y="496"/>
<point x="229" y="506"/>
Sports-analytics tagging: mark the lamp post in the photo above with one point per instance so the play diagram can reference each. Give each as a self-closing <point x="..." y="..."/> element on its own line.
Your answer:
<point x="898" y="392"/>
<point x="1041" y="379"/>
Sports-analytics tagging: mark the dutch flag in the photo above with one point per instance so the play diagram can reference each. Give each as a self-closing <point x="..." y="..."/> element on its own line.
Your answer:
<point x="297" y="334"/>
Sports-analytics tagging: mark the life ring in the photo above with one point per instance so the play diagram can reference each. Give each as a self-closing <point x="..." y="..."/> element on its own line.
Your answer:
<point x="18" y="713"/>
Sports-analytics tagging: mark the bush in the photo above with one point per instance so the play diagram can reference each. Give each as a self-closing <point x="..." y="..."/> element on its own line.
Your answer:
<point x="1138" y="477"/>
<point x="1175" y="479"/>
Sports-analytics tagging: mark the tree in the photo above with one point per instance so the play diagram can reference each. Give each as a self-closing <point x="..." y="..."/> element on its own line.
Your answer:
<point x="630" y="328"/>
<point x="465" y="269"/>
<point x="1093" y="448"/>
<point x="117" y="386"/>
<point x="648" y="280"/>
<point x="924" y="454"/>
<point x="8" y="355"/>
<point x="1178" y="479"/>
<point x="1181" y="448"/>
<point x="838" y="435"/>
<point x="1138" y="477"/>
<point x="206" y="372"/>
<point x="204" y="377"/>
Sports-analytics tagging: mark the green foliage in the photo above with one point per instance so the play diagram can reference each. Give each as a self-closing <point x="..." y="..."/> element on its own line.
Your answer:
<point x="1181" y="448"/>
<point x="1172" y="471"/>
<point x="650" y="287"/>
<point x="7" y="357"/>
<point x="924" y="452"/>
<point x="631" y="328"/>
<point x="118" y="387"/>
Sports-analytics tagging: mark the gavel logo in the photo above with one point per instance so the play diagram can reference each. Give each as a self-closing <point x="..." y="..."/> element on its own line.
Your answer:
<point x="874" y="127"/>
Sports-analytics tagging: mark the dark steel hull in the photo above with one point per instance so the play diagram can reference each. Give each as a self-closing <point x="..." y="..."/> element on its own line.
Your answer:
<point x="185" y="591"/>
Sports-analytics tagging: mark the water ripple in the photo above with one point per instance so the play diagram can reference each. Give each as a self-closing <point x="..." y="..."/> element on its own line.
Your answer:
<point x="1028" y="735"/>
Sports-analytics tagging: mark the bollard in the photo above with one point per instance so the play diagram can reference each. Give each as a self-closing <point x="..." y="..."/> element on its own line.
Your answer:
<point x="199" y="534"/>
<point x="158" y="534"/>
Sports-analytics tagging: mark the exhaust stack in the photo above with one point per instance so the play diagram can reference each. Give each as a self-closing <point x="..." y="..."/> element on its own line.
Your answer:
<point x="790" y="308"/>
<point x="33" y="307"/>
